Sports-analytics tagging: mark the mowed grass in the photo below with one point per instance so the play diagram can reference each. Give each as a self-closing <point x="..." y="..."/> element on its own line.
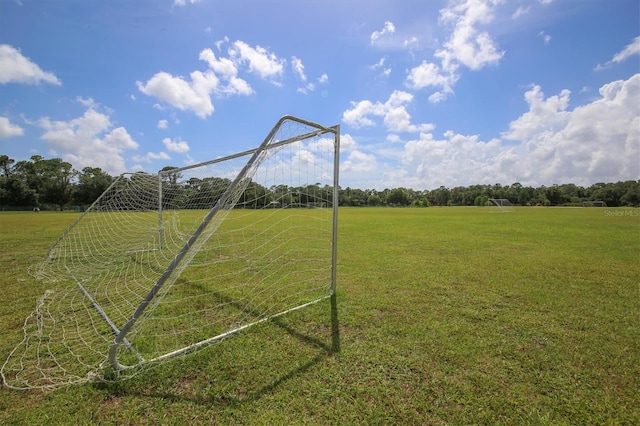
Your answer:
<point x="444" y="316"/>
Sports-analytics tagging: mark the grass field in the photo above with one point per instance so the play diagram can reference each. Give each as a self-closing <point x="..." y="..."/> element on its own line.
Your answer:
<point x="445" y="316"/>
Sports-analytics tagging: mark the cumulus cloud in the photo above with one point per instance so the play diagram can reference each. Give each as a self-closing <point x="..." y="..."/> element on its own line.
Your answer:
<point x="163" y="124"/>
<point x="548" y="115"/>
<point x="631" y="49"/>
<point x="388" y="28"/>
<point x="150" y="157"/>
<point x="549" y="143"/>
<point x="187" y="95"/>
<point x="260" y="61"/>
<point x="228" y="71"/>
<point x="395" y="116"/>
<point x="89" y="140"/>
<point x="596" y="141"/>
<point x="428" y="162"/>
<point x="467" y="45"/>
<point x="176" y="145"/>
<point x="8" y="129"/>
<point x="16" y="68"/>
<point x="428" y="74"/>
<point x="359" y="162"/>
<point x="220" y="79"/>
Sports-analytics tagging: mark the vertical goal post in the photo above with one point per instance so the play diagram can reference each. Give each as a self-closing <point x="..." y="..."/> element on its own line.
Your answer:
<point x="162" y="265"/>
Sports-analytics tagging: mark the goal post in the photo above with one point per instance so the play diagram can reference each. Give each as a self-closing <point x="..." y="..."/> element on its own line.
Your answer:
<point x="500" y="205"/>
<point x="164" y="264"/>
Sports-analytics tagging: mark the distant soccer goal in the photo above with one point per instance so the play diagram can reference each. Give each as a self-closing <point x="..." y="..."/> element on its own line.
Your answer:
<point x="594" y="203"/>
<point x="165" y="264"/>
<point x="500" y="205"/>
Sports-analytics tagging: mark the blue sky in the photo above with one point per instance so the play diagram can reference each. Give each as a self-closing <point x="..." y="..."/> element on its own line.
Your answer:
<point x="427" y="93"/>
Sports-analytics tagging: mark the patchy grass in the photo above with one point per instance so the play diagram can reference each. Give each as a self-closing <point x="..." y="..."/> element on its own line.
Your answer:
<point x="445" y="316"/>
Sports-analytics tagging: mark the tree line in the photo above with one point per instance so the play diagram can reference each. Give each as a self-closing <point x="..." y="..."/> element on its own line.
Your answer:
<point x="55" y="184"/>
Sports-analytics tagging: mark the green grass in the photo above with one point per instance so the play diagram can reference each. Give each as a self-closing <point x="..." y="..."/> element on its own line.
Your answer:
<point x="445" y="316"/>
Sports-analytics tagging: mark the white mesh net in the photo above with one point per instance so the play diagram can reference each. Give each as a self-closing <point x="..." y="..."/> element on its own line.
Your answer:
<point x="500" y="205"/>
<point x="174" y="261"/>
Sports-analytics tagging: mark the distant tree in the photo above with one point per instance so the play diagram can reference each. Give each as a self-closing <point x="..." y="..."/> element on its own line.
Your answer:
<point x="51" y="180"/>
<point x="15" y="192"/>
<point x="5" y="165"/>
<point x="374" y="200"/>
<point x="481" y="200"/>
<point x="57" y="186"/>
<point x="92" y="182"/>
<point x="440" y="196"/>
<point x="399" y="197"/>
<point x="632" y="195"/>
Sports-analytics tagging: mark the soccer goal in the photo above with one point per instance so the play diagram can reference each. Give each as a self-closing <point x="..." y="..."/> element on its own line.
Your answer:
<point x="500" y="205"/>
<point x="165" y="264"/>
<point x="594" y="203"/>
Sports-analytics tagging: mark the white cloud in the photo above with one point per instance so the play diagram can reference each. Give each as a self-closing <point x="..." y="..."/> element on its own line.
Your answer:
<point x="347" y="143"/>
<point x="150" y="157"/>
<point x="355" y="161"/>
<point x="259" y="60"/>
<point x="228" y="71"/>
<point x="358" y="115"/>
<point x="631" y="49"/>
<point x="359" y="162"/>
<point x="193" y="95"/>
<point x="8" y="130"/>
<point x="388" y="28"/>
<point x="456" y="160"/>
<point x="429" y="74"/>
<point x="520" y="11"/>
<point x="163" y="124"/>
<point x="599" y="141"/>
<point x="184" y="2"/>
<point x="467" y="44"/>
<point x="89" y="140"/>
<point x="380" y="65"/>
<point x="410" y="42"/>
<point x="549" y="143"/>
<point x="544" y="115"/>
<point x="176" y="145"/>
<point x="16" y="68"/>
<point x="324" y="79"/>
<point x="298" y="69"/>
<point x="396" y="118"/>
<point x="545" y="37"/>
<point x="436" y="97"/>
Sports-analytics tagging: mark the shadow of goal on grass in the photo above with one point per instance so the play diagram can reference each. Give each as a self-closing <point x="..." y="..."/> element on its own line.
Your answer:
<point x="234" y="394"/>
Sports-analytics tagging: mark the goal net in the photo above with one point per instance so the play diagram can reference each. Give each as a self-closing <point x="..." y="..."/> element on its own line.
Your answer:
<point x="500" y="205"/>
<point x="162" y="265"/>
<point x="594" y="203"/>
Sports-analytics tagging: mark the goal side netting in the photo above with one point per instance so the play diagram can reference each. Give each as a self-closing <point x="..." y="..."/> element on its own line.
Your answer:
<point x="164" y="264"/>
<point x="500" y="205"/>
